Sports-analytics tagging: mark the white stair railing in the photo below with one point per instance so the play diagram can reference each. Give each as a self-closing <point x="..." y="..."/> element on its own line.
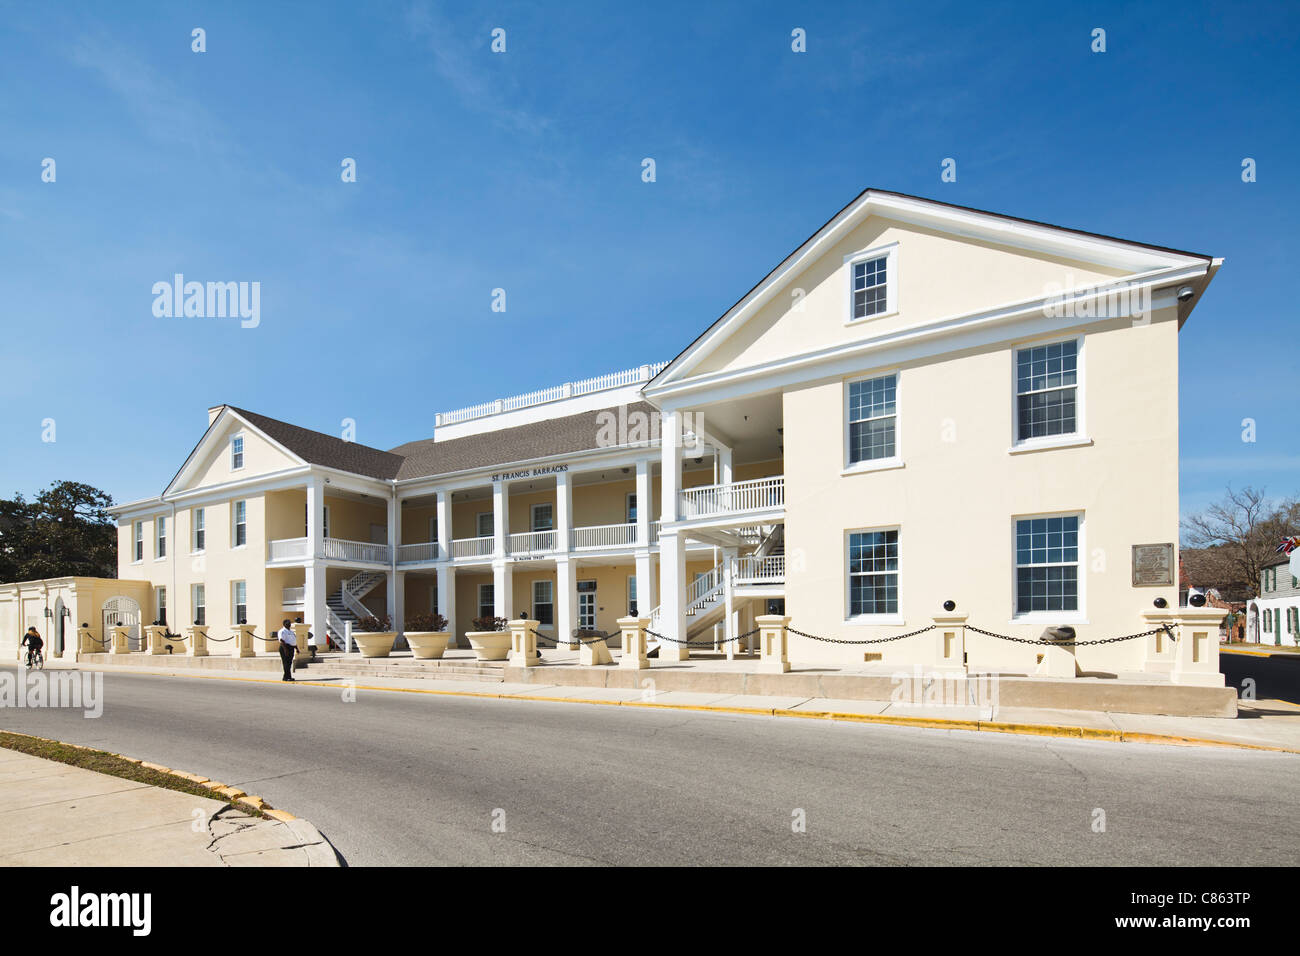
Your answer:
<point x="752" y="567"/>
<point x="337" y="629"/>
<point x="357" y="587"/>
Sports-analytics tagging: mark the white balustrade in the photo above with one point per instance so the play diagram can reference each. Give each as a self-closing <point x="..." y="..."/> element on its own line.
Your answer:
<point x="604" y="536"/>
<point x="293" y="597"/>
<point x="288" y="549"/>
<point x="532" y="542"/>
<point x="473" y="547"/>
<point x="339" y="549"/>
<point x="752" y="569"/>
<point x="758" y="494"/>
<point x="420" y="551"/>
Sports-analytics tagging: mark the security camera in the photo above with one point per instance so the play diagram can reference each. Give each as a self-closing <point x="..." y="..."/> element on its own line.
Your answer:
<point x="1185" y="293"/>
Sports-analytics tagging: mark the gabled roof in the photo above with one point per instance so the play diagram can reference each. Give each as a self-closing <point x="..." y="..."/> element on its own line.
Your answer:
<point x="330" y="451"/>
<point x="543" y="439"/>
<point x="964" y="220"/>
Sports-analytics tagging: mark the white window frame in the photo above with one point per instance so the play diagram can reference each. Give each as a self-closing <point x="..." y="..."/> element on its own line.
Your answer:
<point x="868" y="619"/>
<point x="137" y="542"/>
<point x="235" y="544"/>
<point x="198" y="525"/>
<point x="1078" y="616"/>
<point x="1080" y="434"/>
<point x="890" y="254"/>
<point x="591" y="595"/>
<point x="630" y="507"/>
<point x="433" y="528"/>
<point x="160" y="604"/>
<point x="199" y="602"/>
<point x="875" y="464"/>
<point x="238" y="437"/>
<point x="532" y="516"/>
<point x="551" y="603"/>
<point x="478" y="524"/>
<point x="160" y="538"/>
<point x="631" y="593"/>
<point x="491" y="604"/>
<point x="234" y="601"/>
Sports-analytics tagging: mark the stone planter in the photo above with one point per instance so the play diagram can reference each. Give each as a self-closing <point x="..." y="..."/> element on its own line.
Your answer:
<point x="427" y="645"/>
<point x="489" y="645"/>
<point x="372" y="644"/>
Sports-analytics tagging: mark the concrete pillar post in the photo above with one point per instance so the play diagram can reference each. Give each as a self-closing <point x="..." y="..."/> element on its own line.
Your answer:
<point x="949" y="643"/>
<point x="523" y="643"/>
<point x="634" y="643"/>
<point x="773" y="640"/>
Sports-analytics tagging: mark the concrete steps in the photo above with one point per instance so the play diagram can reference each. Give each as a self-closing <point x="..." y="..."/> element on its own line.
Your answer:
<point x="492" y="671"/>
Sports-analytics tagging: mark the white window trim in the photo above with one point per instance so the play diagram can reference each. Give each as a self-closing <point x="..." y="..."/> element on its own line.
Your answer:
<point x="195" y="605"/>
<point x="890" y="252"/>
<point x="234" y="603"/>
<point x="433" y="528"/>
<point x="160" y="538"/>
<point x="234" y="524"/>
<point x="160" y="606"/>
<point x="479" y="605"/>
<point x="532" y="517"/>
<point x="876" y="464"/>
<point x="137" y="542"/>
<point x="868" y="619"/>
<point x="631" y="594"/>
<point x="627" y="508"/>
<point x="478" y="523"/>
<point x="243" y="452"/>
<point x="1053" y="617"/>
<point x="195" y="529"/>
<point x="1076" y="438"/>
<point x="551" y="602"/>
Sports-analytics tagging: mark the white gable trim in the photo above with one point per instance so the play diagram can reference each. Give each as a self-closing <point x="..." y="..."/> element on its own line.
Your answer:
<point x="986" y="227"/>
<point x="209" y="440"/>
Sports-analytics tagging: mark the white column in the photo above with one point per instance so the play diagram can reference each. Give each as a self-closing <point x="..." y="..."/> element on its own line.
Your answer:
<point x="566" y="598"/>
<point x="563" y="511"/>
<point x="643" y="503"/>
<point x="672" y="550"/>
<point x="729" y="589"/>
<point x="397" y="599"/>
<point x="447" y="593"/>
<point x="645" y="583"/>
<point x="315" y="517"/>
<point x="444" y="530"/>
<point x="500" y="518"/>
<point x="502" y="588"/>
<point x="670" y="475"/>
<point x="724" y="464"/>
<point x="313" y="605"/>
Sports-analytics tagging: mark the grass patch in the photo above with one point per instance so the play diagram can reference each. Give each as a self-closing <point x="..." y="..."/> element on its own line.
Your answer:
<point x="103" y="762"/>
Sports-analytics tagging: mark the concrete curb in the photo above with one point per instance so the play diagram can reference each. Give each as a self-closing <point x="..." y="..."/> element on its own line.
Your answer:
<point x="320" y="852"/>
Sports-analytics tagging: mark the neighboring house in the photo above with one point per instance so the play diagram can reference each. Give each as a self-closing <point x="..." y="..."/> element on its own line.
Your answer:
<point x="1274" y="616"/>
<point x="921" y="403"/>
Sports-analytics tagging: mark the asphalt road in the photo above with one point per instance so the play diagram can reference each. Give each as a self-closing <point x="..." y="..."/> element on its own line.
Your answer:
<point x="1276" y="677"/>
<point x="398" y="778"/>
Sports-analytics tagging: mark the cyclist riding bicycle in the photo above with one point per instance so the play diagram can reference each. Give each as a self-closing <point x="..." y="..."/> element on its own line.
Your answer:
<point x="32" y="639"/>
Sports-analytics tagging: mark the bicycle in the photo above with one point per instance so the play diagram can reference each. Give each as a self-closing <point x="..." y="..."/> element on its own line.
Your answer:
<point x="37" y="659"/>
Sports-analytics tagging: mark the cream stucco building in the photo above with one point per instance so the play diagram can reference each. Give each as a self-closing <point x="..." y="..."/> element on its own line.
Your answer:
<point x="922" y="403"/>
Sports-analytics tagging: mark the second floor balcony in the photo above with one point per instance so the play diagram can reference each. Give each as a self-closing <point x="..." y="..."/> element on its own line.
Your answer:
<point x="744" y="499"/>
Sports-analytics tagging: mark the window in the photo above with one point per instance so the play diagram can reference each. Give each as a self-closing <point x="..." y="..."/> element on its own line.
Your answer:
<point x="139" y="541"/>
<point x="873" y="413"/>
<point x="631" y="595"/>
<point x="544" y="602"/>
<point x="1268" y="619"/>
<point x="1046" y="390"/>
<point x="160" y="524"/>
<point x="487" y="600"/>
<point x="161" y="601"/>
<point x="241" y="524"/>
<point x="587" y="605"/>
<point x="200" y="540"/>
<point x="870" y="282"/>
<point x="325" y="522"/>
<point x="239" y="602"/>
<point x="873" y="572"/>
<point x="1047" y="564"/>
<point x="200" y="599"/>
<point x="631" y="509"/>
<point x="485" y="526"/>
<point x="543" y="517"/>
<point x="433" y="528"/>
<point x="237" y="453"/>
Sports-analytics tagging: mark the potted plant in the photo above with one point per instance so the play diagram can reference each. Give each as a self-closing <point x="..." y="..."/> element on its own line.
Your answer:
<point x="490" y="639"/>
<point x="374" y="636"/>
<point x="427" y="635"/>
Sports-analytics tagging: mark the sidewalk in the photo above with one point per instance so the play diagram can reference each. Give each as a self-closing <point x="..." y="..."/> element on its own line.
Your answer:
<point x="54" y="814"/>
<point x="1261" y="724"/>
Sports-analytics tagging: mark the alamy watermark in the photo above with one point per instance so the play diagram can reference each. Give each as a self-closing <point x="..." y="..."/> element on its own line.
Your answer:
<point x="1125" y="300"/>
<point x="211" y="300"/>
<point x="83" y="690"/>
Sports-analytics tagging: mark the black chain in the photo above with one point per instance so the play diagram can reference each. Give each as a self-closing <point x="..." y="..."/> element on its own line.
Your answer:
<point x="879" y="640"/>
<point x="673" y="640"/>
<point x="573" y="640"/>
<point x="1105" y="640"/>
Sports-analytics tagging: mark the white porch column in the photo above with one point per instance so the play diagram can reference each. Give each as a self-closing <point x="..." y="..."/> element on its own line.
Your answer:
<point x="724" y="464"/>
<point x="447" y="593"/>
<point x="502" y="588"/>
<point x="313" y="604"/>
<point x="315" y="517"/>
<point x="397" y="600"/>
<point x="444" y="530"/>
<point x="643" y="503"/>
<point x="566" y="598"/>
<point x="645" y="583"/>
<point x="500" y="519"/>
<point x="729" y="590"/>
<point x="563" y="512"/>
<point x="396" y="596"/>
<point x="672" y="549"/>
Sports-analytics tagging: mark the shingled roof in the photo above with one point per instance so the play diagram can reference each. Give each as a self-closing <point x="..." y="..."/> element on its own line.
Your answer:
<point x="317" y="448"/>
<point x="554" y="436"/>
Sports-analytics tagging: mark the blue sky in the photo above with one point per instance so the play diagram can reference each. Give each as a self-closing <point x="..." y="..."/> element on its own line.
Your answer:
<point x="522" y="170"/>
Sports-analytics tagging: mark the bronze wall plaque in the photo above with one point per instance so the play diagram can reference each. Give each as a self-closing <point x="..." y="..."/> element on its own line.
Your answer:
<point x="1153" y="565"/>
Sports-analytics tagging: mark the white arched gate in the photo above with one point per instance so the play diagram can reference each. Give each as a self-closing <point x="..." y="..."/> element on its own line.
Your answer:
<point x="119" y="611"/>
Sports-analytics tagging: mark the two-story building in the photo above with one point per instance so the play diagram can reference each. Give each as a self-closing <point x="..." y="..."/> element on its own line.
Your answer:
<point x="921" y="403"/>
<point x="1273" y="616"/>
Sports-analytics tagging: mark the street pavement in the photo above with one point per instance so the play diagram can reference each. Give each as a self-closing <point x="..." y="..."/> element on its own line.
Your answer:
<point x="1276" y="675"/>
<point x="402" y="778"/>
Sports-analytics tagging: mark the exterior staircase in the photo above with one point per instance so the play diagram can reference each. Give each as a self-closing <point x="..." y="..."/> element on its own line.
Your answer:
<point x="344" y="605"/>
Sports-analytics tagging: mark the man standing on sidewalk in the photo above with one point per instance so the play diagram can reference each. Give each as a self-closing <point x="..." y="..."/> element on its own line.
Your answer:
<point x="288" y="647"/>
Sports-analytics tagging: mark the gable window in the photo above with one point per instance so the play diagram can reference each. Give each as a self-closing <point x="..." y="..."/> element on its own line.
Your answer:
<point x="237" y="453"/>
<point x="873" y="418"/>
<point x="239" y="601"/>
<point x="138" y="551"/>
<point x="241" y="523"/>
<point x="873" y="283"/>
<point x="873" y="572"/>
<point x="486" y="600"/>
<point x="200" y="600"/>
<point x="544" y="602"/>
<point x="200" y="535"/>
<point x="1047" y="380"/>
<point x="160" y="524"/>
<point x="1047" y="564"/>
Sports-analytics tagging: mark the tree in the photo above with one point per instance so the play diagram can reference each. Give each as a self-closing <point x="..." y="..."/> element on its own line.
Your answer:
<point x="1229" y="543"/>
<point x="65" y="531"/>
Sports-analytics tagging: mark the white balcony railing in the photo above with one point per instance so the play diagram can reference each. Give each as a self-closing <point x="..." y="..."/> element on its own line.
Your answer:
<point x="555" y="393"/>
<point x="420" y="551"/>
<point x="293" y="598"/>
<point x="532" y="542"/>
<point x="472" y="547"/>
<point x="754" y="570"/>
<point x="604" y="536"/>
<point x="339" y="549"/>
<point x="759" y="494"/>
<point x="288" y="549"/>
